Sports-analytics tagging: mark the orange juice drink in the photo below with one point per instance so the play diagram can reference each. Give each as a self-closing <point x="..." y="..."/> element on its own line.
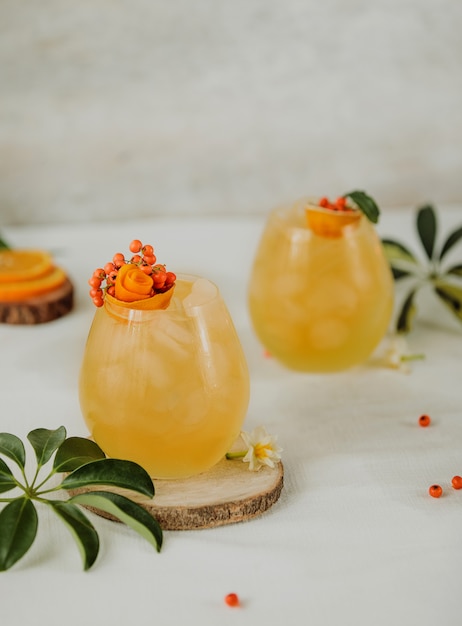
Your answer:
<point x="321" y="291"/>
<point x="166" y="388"/>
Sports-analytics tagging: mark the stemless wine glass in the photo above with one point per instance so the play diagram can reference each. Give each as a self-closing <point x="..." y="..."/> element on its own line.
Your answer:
<point x="321" y="291"/>
<point x="168" y="389"/>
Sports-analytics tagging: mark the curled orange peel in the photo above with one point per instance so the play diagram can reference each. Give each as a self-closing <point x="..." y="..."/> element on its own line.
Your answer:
<point x="132" y="284"/>
<point x="329" y="223"/>
<point x="156" y="302"/>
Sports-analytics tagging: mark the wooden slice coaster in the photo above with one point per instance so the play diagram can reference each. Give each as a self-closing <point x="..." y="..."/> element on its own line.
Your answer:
<point x="226" y="494"/>
<point x="39" y="309"/>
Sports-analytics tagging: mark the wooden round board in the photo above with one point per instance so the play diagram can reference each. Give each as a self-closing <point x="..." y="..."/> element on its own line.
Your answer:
<point x="39" y="309"/>
<point x="226" y="494"/>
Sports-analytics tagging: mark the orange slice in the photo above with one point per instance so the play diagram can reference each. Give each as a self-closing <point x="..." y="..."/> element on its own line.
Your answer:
<point x="158" y="301"/>
<point x="330" y="223"/>
<point x="24" y="265"/>
<point x="24" y="289"/>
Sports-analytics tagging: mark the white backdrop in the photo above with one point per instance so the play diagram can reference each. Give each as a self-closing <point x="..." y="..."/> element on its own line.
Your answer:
<point x="130" y="108"/>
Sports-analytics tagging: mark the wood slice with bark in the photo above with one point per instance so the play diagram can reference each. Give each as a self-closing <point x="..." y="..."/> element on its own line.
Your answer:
<point x="226" y="494"/>
<point x="39" y="309"/>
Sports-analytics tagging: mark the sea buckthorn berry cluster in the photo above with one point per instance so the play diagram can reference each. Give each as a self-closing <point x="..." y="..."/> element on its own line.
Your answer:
<point x="104" y="278"/>
<point x="340" y="204"/>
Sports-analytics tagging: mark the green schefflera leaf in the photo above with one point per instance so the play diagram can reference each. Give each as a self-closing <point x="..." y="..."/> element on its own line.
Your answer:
<point x="12" y="447"/>
<point x="452" y="298"/>
<point x="407" y="314"/>
<point x="3" y="244"/>
<point x="124" y="510"/>
<point x="456" y="270"/>
<point x="74" y="452"/>
<point x="398" y="254"/>
<point x="453" y="238"/>
<point x="426" y="227"/>
<point x="7" y="480"/>
<point x="81" y="529"/>
<point x="111" y="472"/>
<point x="18" y="528"/>
<point x="365" y="204"/>
<point x="45" y="442"/>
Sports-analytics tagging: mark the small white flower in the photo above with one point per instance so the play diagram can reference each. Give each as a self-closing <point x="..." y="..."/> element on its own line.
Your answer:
<point x="397" y="346"/>
<point x="262" y="449"/>
<point x="397" y="354"/>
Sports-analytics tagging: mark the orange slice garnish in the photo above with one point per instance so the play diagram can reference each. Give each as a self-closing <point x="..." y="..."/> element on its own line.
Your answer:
<point x="155" y="302"/>
<point x="24" y="265"/>
<point x="330" y="223"/>
<point x="24" y="289"/>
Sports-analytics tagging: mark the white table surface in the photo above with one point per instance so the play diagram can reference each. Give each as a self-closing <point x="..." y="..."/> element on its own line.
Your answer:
<point x="355" y="538"/>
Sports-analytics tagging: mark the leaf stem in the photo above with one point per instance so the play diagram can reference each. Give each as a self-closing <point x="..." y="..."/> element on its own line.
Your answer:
<point x="51" y="490"/>
<point x="236" y="455"/>
<point x="413" y="357"/>
<point x="46" y="479"/>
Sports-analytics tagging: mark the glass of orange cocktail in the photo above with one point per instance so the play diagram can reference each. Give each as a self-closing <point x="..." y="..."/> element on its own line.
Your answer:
<point x="321" y="291"/>
<point x="164" y="383"/>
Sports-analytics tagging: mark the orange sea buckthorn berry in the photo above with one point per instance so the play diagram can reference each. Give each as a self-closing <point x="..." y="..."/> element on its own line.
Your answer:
<point x="94" y="293"/>
<point x="98" y="301"/>
<point x="232" y="599"/>
<point x="435" y="491"/>
<point x="324" y="202"/>
<point x="457" y="482"/>
<point x="99" y="273"/>
<point x="94" y="282"/>
<point x="112" y="276"/>
<point x="136" y="259"/>
<point x="109" y="267"/>
<point x="118" y="259"/>
<point x="150" y="259"/>
<point x="135" y="245"/>
<point x="147" y="250"/>
<point x="159" y="278"/>
<point x="170" y="278"/>
<point x="111" y="290"/>
<point x="341" y="203"/>
<point x="147" y="269"/>
<point x="424" y="421"/>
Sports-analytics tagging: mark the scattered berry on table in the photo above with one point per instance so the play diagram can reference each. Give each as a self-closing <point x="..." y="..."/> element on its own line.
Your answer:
<point x="435" y="491"/>
<point x="232" y="599"/>
<point x="424" y="421"/>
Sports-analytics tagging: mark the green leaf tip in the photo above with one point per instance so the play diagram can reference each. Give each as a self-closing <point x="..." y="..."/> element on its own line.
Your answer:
<point x="366" y="204"/>
<point x="451" y="240"/>
<point x="74" y="452"/>
<point x="3" y="244"/>
<point x="7" y="480"/>
<point x="81" y="529"/>
<point x="125" y="510"/>
<point x="12" y="447"/>
<point x="18" y="528"/>
<point x="452" y="298"/>
<point x="45" y="442"/>
<point x="407" y="314"/>
<point x="426" y="227"/>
